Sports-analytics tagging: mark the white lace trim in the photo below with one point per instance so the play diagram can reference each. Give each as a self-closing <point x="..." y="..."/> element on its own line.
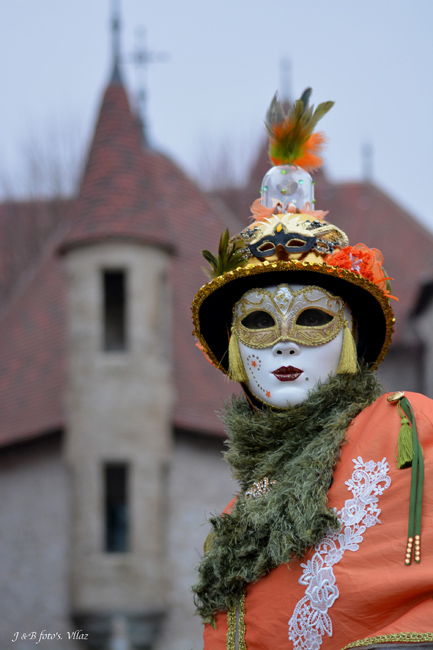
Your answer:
<point x="310" y="620"/>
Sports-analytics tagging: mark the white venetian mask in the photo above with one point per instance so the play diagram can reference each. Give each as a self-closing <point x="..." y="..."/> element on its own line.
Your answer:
<point x="290" y="339"/>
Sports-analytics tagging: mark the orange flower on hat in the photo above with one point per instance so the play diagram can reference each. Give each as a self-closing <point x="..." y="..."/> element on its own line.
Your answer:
<point x="363" y="260"/>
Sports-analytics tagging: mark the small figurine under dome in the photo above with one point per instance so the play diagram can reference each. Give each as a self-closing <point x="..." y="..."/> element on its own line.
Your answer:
<point x="328" y="544"/>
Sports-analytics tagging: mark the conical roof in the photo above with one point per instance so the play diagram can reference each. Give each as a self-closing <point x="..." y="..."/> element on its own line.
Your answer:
<point x="118" y="194"/>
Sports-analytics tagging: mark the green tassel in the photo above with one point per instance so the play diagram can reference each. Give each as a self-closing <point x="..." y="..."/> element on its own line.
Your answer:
<point x="405" y="445"/>
<point x="236" y="367"/>
<point x="349" y="358"/>
<point x="413" y="545"/>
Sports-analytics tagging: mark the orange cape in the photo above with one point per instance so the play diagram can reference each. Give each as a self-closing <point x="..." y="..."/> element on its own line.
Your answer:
<point x="353" y="589"/>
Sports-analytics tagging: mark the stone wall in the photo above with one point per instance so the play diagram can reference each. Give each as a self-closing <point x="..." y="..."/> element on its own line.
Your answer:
<point x="34" y="546"/>
<point x="199" y="485"/>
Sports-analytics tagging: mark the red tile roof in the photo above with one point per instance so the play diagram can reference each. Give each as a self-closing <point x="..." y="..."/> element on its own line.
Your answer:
<point x="25" y="228"/>
<point x="194" y="225"/>
<point x="33" y="354"/>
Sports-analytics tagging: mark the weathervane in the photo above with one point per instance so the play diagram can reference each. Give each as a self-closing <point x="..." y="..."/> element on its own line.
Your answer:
<point x="142" y="57"/>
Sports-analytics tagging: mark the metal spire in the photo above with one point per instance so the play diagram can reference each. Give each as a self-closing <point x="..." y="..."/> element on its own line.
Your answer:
<point x="367" y="162"/>
<point x="115" y="39"/>
<point x="286" y="80"/>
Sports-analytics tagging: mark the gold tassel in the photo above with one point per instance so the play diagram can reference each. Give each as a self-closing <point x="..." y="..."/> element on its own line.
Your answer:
<point x="349" y="358"/>
<point x="236" y="367"/>
<point x="405" y="444"/>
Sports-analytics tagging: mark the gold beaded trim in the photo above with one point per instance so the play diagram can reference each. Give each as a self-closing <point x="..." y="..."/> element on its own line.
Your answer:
<point x="410" y="550"/>
<point x="291" y="265"/>
<point x="410" y="637"/>
<point x="236" y="623"/>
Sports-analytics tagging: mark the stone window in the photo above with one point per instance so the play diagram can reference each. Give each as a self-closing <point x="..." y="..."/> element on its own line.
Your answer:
<point x="117" y="509"/>
<point x="114" y="310"/>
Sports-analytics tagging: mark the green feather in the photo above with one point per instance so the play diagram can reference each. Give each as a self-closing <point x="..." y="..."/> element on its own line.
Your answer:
<point x="275" y="113"/>
<point x="229" y="256"/>
<point x="320" y="111"/>
<point x="305" y="97"/>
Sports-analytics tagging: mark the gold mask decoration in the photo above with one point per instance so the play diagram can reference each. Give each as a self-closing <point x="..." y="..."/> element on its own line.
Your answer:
<point x="308" y="316"/>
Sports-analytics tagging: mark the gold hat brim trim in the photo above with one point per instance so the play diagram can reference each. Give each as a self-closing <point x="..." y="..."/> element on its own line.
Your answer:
<point x="293" y="265"/>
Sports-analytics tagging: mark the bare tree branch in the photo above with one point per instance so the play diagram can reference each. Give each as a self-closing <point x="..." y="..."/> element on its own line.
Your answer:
<point x="49" y="163"/>
<point x="224" y="163"/>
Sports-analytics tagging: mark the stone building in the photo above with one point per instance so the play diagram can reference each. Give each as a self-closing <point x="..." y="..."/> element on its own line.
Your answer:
<point x="110" y="457"/>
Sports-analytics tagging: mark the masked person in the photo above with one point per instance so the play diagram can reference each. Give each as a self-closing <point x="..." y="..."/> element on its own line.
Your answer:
<point x="329" y="543"/>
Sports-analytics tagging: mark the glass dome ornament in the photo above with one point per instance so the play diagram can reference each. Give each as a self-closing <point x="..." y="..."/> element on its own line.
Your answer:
<point x="288" y="185"/>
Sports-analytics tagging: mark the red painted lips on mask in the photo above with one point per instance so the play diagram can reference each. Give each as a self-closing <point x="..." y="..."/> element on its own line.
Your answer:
<point x="287" y="373"/>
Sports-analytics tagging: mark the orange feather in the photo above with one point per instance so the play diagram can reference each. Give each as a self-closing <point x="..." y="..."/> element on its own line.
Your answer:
<point x="309" y="158"/>
<point x="259" y="211"/>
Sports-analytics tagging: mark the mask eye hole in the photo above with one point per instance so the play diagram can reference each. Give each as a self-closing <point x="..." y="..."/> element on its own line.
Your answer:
<point x="267" y="246"/>
<point x="313" y="318"/>
<point x="258" y="320"/>
<point x="294" y="243"/>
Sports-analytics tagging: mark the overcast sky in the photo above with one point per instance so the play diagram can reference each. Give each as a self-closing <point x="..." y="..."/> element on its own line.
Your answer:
<point x="374" y="58"/>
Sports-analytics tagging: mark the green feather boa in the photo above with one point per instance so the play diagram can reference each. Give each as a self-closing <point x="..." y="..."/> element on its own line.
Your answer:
<point x="297" y="447"/>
